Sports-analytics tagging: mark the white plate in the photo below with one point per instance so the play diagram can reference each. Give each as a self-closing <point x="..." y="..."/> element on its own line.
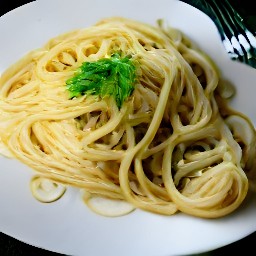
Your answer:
<point x="68" y="226"/>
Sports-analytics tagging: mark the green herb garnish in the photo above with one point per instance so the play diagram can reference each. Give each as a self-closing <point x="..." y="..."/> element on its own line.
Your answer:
<point x="114" y="76"/>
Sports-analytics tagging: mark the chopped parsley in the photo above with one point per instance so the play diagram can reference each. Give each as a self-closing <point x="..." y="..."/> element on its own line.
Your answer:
<point x="114" y="76"/>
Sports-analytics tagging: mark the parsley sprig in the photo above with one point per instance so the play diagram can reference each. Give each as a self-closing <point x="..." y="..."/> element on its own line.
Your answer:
<point x="114" y="76"/>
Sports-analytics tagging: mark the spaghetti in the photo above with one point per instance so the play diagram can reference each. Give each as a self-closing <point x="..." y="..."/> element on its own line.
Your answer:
<point x="172" y="145"/>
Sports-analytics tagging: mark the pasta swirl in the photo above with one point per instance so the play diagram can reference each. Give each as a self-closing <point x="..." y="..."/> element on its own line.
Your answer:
<point x="174" y="145"/>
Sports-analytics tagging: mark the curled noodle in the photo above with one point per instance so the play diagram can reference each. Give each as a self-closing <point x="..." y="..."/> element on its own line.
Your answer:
<point x="173" y="146"/>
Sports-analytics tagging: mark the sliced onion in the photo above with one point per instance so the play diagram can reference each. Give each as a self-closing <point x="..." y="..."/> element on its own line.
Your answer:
<point x="46" y="190"/>
<point x="240" y="128"/>
<point x="108" y="207"/>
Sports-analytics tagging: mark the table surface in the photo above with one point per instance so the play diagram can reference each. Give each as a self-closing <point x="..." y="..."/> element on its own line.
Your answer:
<point x="10" y="246"/>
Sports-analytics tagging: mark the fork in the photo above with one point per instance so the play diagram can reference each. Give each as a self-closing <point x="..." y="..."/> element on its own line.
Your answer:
<point x="238" y="40"/>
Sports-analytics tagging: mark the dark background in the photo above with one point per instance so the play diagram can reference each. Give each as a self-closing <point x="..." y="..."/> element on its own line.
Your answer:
<point x="12" y="247"/>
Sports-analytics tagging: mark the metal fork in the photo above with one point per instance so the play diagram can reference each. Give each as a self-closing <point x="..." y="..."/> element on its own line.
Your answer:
<point x="238" y="40"/>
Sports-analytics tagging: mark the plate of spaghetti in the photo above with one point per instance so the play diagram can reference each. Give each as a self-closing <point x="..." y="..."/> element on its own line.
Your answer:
<point x="124" y="129"/>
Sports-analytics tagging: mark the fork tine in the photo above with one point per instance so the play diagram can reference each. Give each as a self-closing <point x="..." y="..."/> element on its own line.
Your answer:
<point x="245" y="37"/>
<point x="238" y="40"/>
<point x="232" y="29"/>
